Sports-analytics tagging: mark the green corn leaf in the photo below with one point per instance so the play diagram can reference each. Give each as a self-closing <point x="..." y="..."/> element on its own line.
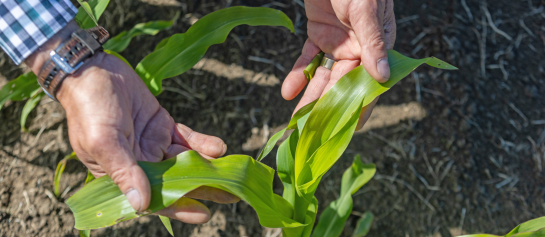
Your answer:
<point x="356" y="176"/>
<point x="19" y="89"/>
<point x="85" y="233"/>
<point x="183" y="51"/>
<point x="118" y="56"/>
<point x="285" y="166"/>
<point x="89" y="12"/>
<point x="310" y="218"/>
<point x="328" y="131"/>
<point x="334" y="217"/>
<point x="293" y="122"/>
<point x="166" y="223"/>
<point x="285" y="161"/>
<point x="364" y="225"/>
<point x="162" y="43"/>
<point x="122" y="40"/>
<point x="100" y="203"/>
<point x="314" y="64"/>
<point x="60" y="169"/>
<point x="535" y="225"/>
<point x="533" y="228"/>
<point x="89" y="177"/>
<point x="538" y="233"/>
<point x="29" y="106"/>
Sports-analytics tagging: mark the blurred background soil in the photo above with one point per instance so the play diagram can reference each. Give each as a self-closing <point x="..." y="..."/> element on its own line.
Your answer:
<point x="456" y="151"/>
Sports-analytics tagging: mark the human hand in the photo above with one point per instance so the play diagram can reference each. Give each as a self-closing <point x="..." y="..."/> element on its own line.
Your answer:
<point x="354" y="32"/>
<point x="114" y="121"/>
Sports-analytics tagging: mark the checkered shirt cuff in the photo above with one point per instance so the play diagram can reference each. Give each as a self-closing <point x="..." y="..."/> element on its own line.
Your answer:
<point x="27" y="24"/>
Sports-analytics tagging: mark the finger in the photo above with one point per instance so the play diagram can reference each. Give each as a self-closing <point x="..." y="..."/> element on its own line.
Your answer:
<point x="213" y="194"/>
<point x="187" y="210"/>
<point x="118" y="161"/>
<point x="296" y="80"/>
<point x="174" y="150"/>
<point x="368" y="24"/>
<point x="338" y="71"/>
<point x="389" y="25"/>
<point x="204" y="144"/>
<point x="315" y="87"/>
<point x="334" y="40"/>
<point x="366" y="113"/>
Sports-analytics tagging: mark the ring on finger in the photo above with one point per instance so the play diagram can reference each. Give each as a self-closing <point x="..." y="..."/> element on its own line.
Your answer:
<point x="327" y="62"/>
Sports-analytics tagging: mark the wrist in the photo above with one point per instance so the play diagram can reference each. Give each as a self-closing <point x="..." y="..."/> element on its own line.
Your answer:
<point x="37" y="59"/>
<point x="84" y="81"/>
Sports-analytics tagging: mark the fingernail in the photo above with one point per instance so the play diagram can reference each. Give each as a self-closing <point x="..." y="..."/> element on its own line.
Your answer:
<point x="383" y="68"/>
<point x="134" y="199"/>
<point x="224" y="149"/>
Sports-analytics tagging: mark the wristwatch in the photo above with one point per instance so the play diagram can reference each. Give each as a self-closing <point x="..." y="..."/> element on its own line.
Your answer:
<point x="69" y="57"/>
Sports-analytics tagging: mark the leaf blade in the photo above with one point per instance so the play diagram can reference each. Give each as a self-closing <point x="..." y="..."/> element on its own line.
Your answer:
<point x="183" y="51"/>
<point x="333" y="112"/>
<point x="121" y="41"/>
<point x="100" y="203"/>
<point x="29" y="106"/>
<point x="333" y="219"/>
<point x="291" y="125"/>
<point x="364" y="225"/>
<point x="89" y="13"/>
<point x="19" y="89"/>
<point x="60" y="169"/>
<point x="167" y="224"/>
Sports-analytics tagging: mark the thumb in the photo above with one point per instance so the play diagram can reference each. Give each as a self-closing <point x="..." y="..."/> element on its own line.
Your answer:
<point x="118" y="161"/>
<point x="369" y="23"/>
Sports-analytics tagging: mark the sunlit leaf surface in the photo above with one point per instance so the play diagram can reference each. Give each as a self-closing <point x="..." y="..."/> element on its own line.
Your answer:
<point x="100" y="203"/>
<point x="531" y="228"/>
<point x="166" y="223"/>
<point x="183" y="51"/>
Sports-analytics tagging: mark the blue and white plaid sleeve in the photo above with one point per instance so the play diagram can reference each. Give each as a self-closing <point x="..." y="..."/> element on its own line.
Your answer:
<point x="27" y="24"/>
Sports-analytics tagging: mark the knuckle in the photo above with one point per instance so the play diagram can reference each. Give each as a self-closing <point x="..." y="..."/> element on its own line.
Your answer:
<point x="120" y="176"/>
<point x="95" y="143"/>
<point x="376" y="41"/>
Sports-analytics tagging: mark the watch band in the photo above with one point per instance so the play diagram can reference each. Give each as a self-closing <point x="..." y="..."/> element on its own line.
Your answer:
<point x="69" y="56"/>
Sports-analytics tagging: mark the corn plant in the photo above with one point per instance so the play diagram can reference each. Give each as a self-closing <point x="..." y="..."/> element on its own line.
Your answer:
<point x="531" y="228"/>
<point x="321" y="133"/>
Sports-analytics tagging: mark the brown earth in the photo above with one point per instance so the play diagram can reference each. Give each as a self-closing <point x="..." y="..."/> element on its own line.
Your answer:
<point x="470" y="161"/>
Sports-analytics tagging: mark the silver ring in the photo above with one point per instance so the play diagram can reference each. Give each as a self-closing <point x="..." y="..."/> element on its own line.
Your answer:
<point x="328" y="63"/>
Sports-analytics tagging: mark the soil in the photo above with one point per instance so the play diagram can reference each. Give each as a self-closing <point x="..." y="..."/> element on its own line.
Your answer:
<point x="468" y="157"/>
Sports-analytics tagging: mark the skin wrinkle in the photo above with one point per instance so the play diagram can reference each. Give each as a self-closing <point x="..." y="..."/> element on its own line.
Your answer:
<point x="329" y="17"/>
<point x="342" y="48"/>
<point x="145" y="147"/>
